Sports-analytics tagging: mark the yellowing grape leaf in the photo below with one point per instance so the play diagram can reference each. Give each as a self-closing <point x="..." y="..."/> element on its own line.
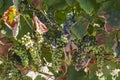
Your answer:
<point x="11" y="19"/>
<point x="40" y="27"/>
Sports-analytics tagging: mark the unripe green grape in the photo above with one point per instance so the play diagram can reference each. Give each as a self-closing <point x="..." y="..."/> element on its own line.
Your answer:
<point x="34" y="55"/>
<point x="22" y="53"/>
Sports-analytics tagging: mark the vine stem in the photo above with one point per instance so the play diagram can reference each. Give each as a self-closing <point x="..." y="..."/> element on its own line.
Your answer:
<point x="26" y="21"/>
<point x="41" y="11"/>
<point x="46" y="74"/>
<point x="32" y="10"/>
<point x="46" y="17"/>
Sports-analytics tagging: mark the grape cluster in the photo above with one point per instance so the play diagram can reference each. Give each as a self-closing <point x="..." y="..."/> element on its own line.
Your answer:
<point x="20" y="51"/>
<point x="8" y="69"/>
<point x="57" y="56"/>
<point x="89" y="53"/>
<point x="99" y="53"/>
<point x="32" y="47"/>
<point x="57" y="53"/>
<point x="28" y="49"/>
<point x="82" y="58"/>
<point x="26" y="40"/>
<point x="62" y="41"/>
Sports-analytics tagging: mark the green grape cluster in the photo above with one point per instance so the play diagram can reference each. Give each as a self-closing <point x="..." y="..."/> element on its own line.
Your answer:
<point x="99" y="53"/>
<point x="22" y="53"/>
<point x="32" y="47"/>
<point x="85" y="52"/>
<point x="28" y="49"/>
<point x="96" y="53"/>
<point x="40" y="39"/>
<point x="9" y="70"/>
<point x="57" y="53"/>
<point x="27" y="41"/>
<point x="62" y="41"/>
<point x="57" y="57"/>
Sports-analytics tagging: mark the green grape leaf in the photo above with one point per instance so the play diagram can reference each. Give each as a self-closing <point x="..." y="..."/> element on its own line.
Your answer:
<point x="100" y="22"/>
<point x="61" y="5"/>
<point x="40" y="78"/>
<point x="110" y="39"/>
<point x="106" y="5"/>
<point x="27" y="78"/>
<point x="58" y="4"/>
<point x="108" y="67"/>
<point x="29" y="1"/>
<point x="49" y="2"/>
<point x="72" y="74"/>
<point x="99" y="1"/>
<point x="118" y="77"/>
<point x="87" y="5"/>
<point x="1" y="3"/>
<point x="46" y="53"/>
<point x="71" y="2"/>
<point x="60" y="16"/>
<point x="91" y="30"/>
<point x="8" y="32"/>
<point x="24" y="28"/>
<point x="6" y="5"/>
<point x="79" y="28"/>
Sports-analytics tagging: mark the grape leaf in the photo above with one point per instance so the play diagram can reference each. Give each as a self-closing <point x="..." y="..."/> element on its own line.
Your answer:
<point x="111" y="15"/>
<point x="6" y="5"/>
<point x="58" y="17"/>
<point x="39" y="77"/>
<point x="24" y="28"/>
<point x="46" y="53"/>
<point x="79" y="28"/>
<point x="11" y="19"/>
<point x="27" y="78"/>
<point x="99" y="1"/>
<point x="71" y="2"/>
<point x="49" y="2"/>
<point x="110" y="39"/>
<point x="87" y="5"/>
<point x="1" y="3"/>
<point x="61" y="5"/>
<point x="105" y="6"/>
<point x="58" y="4"/>
<point x="78" y="75"/>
